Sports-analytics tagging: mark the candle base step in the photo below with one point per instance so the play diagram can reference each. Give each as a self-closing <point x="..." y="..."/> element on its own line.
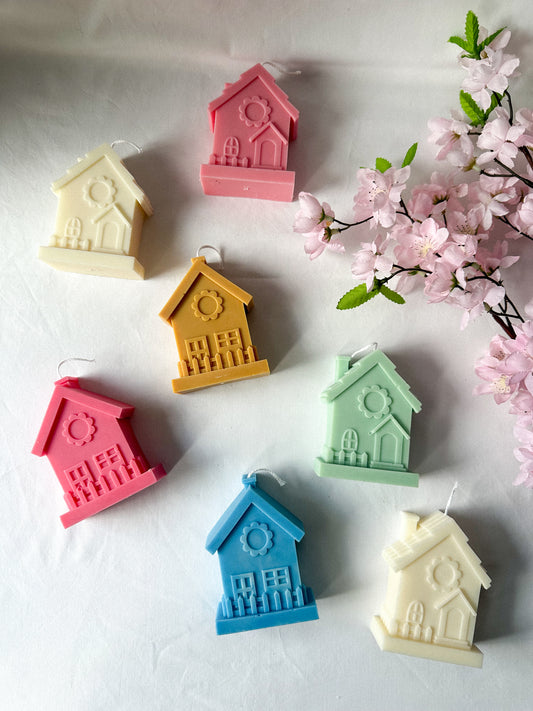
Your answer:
<point x="355" y="473"/>
<point x="470" y="657"/>
<point x="92" y="262"/>
<point x="224" y="375"/>
<point x="260" y="183"/>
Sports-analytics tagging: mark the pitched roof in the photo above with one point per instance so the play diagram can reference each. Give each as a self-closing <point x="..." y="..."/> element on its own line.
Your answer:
<point x="361" y="367"/>
<point x="105" y="151"/>
<point x="199" y="266"/>
<point x="255" y="72"/>
<point x="429" y="532"/>
<point x="251" y="495"/>
<point x="69" y="389"/>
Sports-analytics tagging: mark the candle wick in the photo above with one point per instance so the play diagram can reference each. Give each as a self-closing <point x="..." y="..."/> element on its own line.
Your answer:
<point x="282" y="70"/>
<point x="454" y="489"/>
<point x="271" y="473"/>
<point x="70" y="360"/>
<point x="123" y="141"/>
<point x="217" y="251"/>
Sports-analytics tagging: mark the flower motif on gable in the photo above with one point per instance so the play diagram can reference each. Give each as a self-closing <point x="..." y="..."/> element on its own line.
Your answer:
<point x="254" y="111"/>
<point x="443" y="574"/>
<point x="78" y="429"/>
<point x="207" y="305"/>
<point x="256" y="539"/>
<point x="100" y="192"/>
<point x="374" y="401"/>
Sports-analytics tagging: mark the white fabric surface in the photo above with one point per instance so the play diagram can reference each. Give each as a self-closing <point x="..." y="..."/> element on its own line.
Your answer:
<point x="118" y="611"/>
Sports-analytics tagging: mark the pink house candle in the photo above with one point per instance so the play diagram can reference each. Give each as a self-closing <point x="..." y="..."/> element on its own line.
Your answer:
<point x="91" y="446"/>
<point x="253" y="123"/>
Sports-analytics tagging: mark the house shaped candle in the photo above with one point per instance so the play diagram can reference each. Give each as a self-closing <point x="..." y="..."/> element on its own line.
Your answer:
<point x="368" y="422"/>
<point x="91" y="446"/>
<point x="432" y="597"/>
<point x="256" y="544"/>
<point x="208" y="315"/>
<point x="99" y="218"/>
<point x="252" y="122"/>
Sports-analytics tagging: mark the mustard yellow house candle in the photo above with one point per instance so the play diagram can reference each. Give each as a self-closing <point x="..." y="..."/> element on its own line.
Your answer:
<point x="433" y="591"/>
<point x="99" y="219"/>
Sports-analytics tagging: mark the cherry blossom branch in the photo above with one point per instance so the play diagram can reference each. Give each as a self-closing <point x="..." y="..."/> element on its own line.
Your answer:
<point x="513" y="173"/>
<point x="505" y="220"/>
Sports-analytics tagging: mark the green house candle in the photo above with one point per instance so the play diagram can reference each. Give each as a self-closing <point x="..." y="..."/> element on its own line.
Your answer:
<point x="368" y="423"/>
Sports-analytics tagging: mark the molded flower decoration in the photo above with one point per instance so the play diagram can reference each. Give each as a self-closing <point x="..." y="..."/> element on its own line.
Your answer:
<point x="254" y="111"/>
<point x="78" y="429"/>
<point x="207" y="305"/>
<point x="100" y="192"/>
<point x="374" y="401"/>
<point x="256" y="539"/>
<point x="443" y="574"/>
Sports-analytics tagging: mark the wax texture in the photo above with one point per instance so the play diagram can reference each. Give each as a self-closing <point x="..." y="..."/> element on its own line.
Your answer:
<point x="208" y="314"/>
<point x="253" y="123"/>
<point x="90" y="444"/>
<point x="256" y="543"/>
<point x="433" y="592"/>
<point x="368" y="422"/>
<point x="99" y="219"/>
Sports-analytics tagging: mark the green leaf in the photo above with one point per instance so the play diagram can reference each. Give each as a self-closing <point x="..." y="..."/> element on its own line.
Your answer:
<point x="472" y="32"/>
<point x="489" y="39"/>
<point x="356" y="297"/>
<point x="471" y="109"/>
<point x="392" y="295"/>
<point x="382" y="164"/>
<point x="460" y="42"/>
<point x="409" y="156"/>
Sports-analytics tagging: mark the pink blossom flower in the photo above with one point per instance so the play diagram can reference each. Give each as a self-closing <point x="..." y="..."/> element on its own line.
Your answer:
<point x="496" y="258"/>
<point x="379" y="194"/>
<point x="371" y="260"/>
<point x="463" y="225"/>
<point x="524" y="118"/>
<point x="312" y="215"/>
<point x="522" y="406"/>
<point x="491" y="73"/>
<point x="493" y="195"/>
<point x="522" y="219"/>
<point x="498" y="381"/>
<point x="318" y="241"/>
<point x="441" y="282"/>
<point x="475" y="297"/>
<point x="525" y="456"/>
<point x="452" y="135"/>
<point x="498" y="139"/>
<point x="419" y="245"/>
<point x="430" y="200"/>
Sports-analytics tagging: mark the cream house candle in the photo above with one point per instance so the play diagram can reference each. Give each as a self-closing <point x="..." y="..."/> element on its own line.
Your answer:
<point x="99" y="219"/>
<point x="433" y="591"/>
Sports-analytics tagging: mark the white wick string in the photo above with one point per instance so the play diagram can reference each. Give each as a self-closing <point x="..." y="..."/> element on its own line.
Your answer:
<point x="275" y="476"/>
<point x="454" y="489"/>
<point x="210" y="246"/>
<point x="123" y="141"/>
<point x="70" y="360"/>
<point x="363" y="351"/>
<point x="282" y="69"/>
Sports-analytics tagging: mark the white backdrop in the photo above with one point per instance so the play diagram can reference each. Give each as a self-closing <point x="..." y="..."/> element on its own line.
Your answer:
<point x="118" y="612"/>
